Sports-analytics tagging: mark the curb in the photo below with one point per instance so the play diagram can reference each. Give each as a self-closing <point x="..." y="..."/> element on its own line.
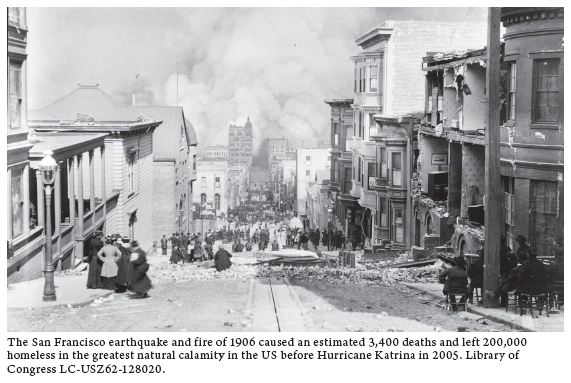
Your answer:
<point x="474" y="310"/>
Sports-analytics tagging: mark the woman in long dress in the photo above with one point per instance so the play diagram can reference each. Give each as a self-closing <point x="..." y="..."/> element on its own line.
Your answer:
<point x="140" y="282"/>
<point x="94" y="280"/>
<point x="222" y="259"/>
<point x="124" y="272"/>
<point x="109" y="255"/>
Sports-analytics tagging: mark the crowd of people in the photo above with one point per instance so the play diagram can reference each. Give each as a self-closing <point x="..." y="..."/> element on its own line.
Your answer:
<point x="522" y="274"/>
<point x="117" y="263"/>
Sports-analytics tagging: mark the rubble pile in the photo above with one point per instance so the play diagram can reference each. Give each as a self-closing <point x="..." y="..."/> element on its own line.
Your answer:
<point x="162" y="273"/>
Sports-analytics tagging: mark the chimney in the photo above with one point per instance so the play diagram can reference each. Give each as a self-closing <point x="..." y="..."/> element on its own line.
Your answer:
<point x="134" y="104"/>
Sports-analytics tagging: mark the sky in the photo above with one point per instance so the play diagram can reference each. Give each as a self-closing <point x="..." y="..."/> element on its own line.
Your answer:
<point x="276" y="65"/>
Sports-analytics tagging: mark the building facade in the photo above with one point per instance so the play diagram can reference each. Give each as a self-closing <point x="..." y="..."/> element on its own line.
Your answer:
<point x="342" y="164"/>
<point x="241" y="144"/>
<point x="386" y="78"/>
<point x="211" y="191"/>
<point x="217" y="151"/>
<point x="308" y="162"/>
<point x="277" y="149"/>
<point x="532" y="137"/>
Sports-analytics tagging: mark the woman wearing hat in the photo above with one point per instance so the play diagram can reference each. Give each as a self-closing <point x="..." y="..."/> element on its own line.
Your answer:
<point x="109" y="255"/>
<point x="222" y="259"/>
<point x="140" y="282"/>
<point x="94" y="280"/>
<point x="124" y="271"/>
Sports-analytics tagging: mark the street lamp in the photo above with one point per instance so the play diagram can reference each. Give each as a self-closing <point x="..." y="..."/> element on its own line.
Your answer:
<point x="329" y="226"/>
<point x="48" y="167"/>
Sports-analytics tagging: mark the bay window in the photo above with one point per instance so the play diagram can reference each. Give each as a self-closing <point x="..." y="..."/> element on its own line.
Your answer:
<point x="396" y="169"/>
<point x="546" y="90"/>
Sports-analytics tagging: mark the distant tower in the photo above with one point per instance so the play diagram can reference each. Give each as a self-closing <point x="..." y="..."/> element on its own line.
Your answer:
<point x="241" y="144"/>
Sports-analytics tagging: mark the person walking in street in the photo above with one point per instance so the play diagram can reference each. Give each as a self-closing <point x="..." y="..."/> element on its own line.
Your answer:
<point x="184" y="240"/>
<point x="222" y="259"/>
<point x="176" y="255"/>
<point x="124" y="266"/>
<point x="94" y="280"/>
<point x="109" y="255"/>
<point x="140" y="282"/>
<point x="304" y="240"/>
<point x="297" y="241"/>
<point x="164" y="244"/>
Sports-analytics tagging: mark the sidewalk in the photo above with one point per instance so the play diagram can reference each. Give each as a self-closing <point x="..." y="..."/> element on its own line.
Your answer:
<point x="70" y="290"/>
<point x="555" y="322"/>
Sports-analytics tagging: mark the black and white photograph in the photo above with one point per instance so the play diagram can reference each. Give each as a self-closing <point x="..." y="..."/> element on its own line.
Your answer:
<point x="287" y="169"/>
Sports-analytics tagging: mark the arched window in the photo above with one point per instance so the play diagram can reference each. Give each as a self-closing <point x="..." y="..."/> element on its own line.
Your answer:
<point x="217" y="201"/>
<point x="203" y="197"/>
<point x="429" y="225"/>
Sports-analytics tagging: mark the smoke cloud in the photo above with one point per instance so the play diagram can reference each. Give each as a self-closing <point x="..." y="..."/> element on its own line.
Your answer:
<point x="277" y="65"/>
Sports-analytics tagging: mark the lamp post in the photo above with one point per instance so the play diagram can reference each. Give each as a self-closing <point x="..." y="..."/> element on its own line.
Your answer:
<point x="329" y="225"/>
<point x="48" y="167"/>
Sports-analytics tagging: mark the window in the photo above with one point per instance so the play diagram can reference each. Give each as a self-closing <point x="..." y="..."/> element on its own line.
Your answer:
<point x="512" y="91"/>
<point x="17" y="195"/>
<point x="383" y="212"/>
<point x="15" y="96"/>
<point x="203" y="197"/>
<point x="382" y="162"/>
<point x="543" y="218"/>
<point x="335" y="134"/>
<point x="131" y="172"/>
<point x="363" y="79"/>
<point x="203" y="182"/>
<point x="216" y="182"/>
<point x="397" y="174"/>
<point x="347" y="181"/>
<point x="371" y="172"/>
<point x="373" y="85"/>
<point x="217" y="201"/>
<point x="308" y="158"/>
<point x="509" y="208"/>
<point x="398" y="225"/>
<point x="15" y="15"/>
<point x="546" y="85"/>
<point x="359" y="170"/>
<point x="308" y="173"/>
<point x="373" y="128"/>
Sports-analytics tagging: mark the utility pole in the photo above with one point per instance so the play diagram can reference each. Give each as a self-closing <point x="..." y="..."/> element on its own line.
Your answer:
<point x="492" y="219"/>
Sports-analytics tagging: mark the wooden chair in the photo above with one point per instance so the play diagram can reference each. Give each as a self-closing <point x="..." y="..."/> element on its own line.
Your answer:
<point x="535" y="290"/>
<point x="458" y="287"/>
<point x="477" y="287"/>
<point x="514" y="301"/>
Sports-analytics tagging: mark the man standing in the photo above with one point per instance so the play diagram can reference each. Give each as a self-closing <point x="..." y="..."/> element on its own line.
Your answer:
<point x="184" y="241"/>
<point x="164" y="244"/>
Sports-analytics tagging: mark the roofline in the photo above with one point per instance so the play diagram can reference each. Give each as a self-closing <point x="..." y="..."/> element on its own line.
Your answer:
<point x="375" y="32"/>
<point x="338" y="101"/>
<point x="95" y="128"/>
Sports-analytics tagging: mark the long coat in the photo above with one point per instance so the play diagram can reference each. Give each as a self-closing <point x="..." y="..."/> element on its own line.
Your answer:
<point x="94" y="276"/>
<point x="222" y="260"/>
<point x="124" y="272"/>
<point x="140" y="283"/>
<point x="176" y="255"/>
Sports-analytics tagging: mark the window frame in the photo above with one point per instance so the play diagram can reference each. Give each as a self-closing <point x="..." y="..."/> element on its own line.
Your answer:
<point x="21" y="202"/>
<point x="512" y="91"/>
<point x="399" y="169"/>
<point x="15" y="66"/>
<point x="383" y="168"/>
<point x="383" y="218"/>
<point x="534" y="109"/>
<point x="202" y="182"/>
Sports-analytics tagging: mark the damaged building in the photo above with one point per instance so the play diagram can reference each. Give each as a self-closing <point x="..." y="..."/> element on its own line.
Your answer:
<point x="448" y="189"/>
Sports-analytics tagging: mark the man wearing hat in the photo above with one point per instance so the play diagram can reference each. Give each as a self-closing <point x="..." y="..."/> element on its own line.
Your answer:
<point x="164" y="244"/>
<point x="520" y="239"/>
<point x="457" y="271"/>
<point x="532" y="267"/>
<point x="124" y="271"/>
